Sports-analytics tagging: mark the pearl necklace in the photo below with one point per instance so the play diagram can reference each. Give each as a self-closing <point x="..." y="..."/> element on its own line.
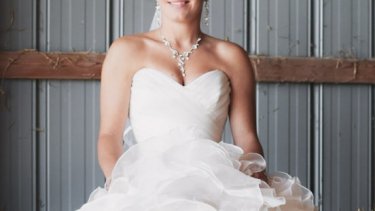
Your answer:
<point x="181" y="57"/>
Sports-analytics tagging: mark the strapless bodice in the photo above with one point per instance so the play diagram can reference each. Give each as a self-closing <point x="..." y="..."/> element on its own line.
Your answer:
<point x="159" y="105"/>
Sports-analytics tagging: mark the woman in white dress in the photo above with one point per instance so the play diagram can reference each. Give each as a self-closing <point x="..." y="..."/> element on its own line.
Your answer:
<point x="178" y="85"/>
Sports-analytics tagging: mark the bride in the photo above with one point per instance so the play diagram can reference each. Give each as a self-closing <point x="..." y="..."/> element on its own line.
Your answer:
<point x="178" y="85"/>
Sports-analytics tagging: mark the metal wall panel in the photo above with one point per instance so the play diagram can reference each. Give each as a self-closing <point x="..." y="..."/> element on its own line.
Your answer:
<point x="371" y="149"/>
<point x="69" y="110"/>
<point x="73" y="25"/>
<point x="69" y="169"/>
<point x="17" y="110"/>
<point x="284" y="129"/>
<point x="347" y="29"/>
<point x="17" y="24"/>
<point x="17" y="146"/>
<point x="227" y="20"/>
<point x="346" y="141"/>
<point x="281" y="28"/>
<point x="138" y="15"/>
<point x="131" y="16"/>
<point x="346" y="110"/>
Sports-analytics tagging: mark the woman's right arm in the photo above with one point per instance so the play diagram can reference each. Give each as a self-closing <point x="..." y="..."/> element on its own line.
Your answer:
<point x="115" y="87"/>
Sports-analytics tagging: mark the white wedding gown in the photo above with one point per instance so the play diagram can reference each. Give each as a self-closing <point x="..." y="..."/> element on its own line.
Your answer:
<point x="180" y="162"/>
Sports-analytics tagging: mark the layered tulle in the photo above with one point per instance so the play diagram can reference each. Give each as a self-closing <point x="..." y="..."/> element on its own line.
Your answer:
<point x="170" y="173"/>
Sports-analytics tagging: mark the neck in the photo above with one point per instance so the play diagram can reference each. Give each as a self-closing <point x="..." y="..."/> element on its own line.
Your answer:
<point x="180" y="35"/>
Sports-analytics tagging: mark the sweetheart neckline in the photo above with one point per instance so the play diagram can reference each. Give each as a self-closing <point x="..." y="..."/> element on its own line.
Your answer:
<point x="211" y="71"/>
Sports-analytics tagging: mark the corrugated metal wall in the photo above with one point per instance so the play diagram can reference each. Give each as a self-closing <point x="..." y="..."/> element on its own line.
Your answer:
<point x="69" y="110"/>
<point x="347" y="109"/>
<point x="321" y="133"/>
<point x="17" y="116"/>
<point x="281" y="28"/>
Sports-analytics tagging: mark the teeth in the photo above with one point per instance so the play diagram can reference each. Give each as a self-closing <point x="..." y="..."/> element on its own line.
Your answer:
<point x="179" y="3"/>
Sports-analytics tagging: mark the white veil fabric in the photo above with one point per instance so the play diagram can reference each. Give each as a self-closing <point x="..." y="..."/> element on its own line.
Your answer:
<point x="155" y="23"/>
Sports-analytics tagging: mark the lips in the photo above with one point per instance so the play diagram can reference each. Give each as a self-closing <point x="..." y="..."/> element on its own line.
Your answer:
<point x="178" y="3"/>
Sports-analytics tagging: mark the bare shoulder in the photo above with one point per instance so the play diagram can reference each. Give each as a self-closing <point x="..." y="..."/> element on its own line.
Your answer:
<point x="121" y="55"/>
<point x="130" y="42"/>
<point x="125" y="46"/>
<point x="233" y="57"/>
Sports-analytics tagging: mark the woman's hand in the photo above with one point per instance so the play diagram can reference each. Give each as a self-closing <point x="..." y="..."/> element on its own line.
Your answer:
<point x="261" y="175"/>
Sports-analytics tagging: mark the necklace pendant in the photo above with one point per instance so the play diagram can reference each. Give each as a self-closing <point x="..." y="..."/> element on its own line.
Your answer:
<point x="182" y="69"/>
<point x="181" y="57"/>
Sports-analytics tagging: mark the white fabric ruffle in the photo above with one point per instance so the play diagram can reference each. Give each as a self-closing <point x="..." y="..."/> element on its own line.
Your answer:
<point x="170" y="173"/>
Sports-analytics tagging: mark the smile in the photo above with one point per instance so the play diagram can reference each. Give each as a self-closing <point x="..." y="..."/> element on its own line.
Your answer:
<point x="178" y="3"/>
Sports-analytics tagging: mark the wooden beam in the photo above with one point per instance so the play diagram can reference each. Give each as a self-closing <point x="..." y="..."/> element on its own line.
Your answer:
<point x="314" y="70"/>
<point x="30" y="64"/>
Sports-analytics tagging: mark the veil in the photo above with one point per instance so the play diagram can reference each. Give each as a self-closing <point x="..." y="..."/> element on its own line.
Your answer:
<point x="154" y="22"/>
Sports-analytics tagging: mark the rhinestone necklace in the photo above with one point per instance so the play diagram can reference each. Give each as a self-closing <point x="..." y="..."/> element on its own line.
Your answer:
<point x="181" y="57"/>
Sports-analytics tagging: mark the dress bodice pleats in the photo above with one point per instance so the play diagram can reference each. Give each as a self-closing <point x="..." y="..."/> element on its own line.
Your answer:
<point x="159" y="104"/>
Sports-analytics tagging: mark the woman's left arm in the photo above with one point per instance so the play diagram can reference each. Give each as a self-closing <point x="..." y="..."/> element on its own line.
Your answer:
<point x="242" y="112"/>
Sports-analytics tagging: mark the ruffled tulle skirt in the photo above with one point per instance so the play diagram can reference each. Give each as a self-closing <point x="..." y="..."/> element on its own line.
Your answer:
<point x="171" y="173"/>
